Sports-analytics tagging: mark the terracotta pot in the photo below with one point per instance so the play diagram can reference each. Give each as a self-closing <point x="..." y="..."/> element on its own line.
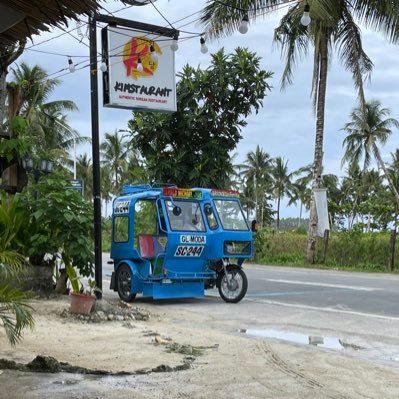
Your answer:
<point x="81" y="303"/>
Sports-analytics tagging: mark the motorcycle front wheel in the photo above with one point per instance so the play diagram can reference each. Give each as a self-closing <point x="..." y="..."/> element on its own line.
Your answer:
<point x="232" y="285"/>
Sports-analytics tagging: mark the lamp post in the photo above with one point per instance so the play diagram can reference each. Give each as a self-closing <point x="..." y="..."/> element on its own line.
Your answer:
<point x="74" y="135"/>
<point x="46" y="167"/>
<point x="93" y="19"/>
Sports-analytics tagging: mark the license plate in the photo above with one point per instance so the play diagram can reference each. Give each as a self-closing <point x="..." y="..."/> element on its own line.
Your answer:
<point x="189" y="250"/>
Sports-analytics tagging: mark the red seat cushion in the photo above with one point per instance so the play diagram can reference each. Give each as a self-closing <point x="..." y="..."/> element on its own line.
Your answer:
<point x="146" y="244"/>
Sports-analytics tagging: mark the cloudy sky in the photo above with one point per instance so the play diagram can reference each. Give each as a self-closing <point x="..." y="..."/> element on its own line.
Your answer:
<point x="284" y="127"/>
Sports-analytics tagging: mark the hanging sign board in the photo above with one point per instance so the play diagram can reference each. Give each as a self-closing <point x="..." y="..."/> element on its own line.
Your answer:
<point x="140" y="70"/>
<point x="320" y="197"/>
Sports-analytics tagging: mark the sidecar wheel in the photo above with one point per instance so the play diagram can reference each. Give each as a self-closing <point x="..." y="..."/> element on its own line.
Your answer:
<point x="233" y="286"/>
<point x="124" y="283"/>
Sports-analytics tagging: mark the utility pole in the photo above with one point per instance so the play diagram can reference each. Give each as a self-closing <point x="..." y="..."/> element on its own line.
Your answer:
<point x="98" y="272"/>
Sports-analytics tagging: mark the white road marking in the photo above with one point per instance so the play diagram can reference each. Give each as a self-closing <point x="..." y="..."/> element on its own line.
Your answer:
<point x="331" y="310"/>
<point x="346" y="287"/>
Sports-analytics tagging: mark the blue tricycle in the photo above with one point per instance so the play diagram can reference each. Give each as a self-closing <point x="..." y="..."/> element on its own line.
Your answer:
<point x="169" y="242"/>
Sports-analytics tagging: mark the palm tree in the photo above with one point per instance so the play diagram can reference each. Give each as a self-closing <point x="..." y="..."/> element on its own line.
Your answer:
<point x="46" y="120"/>
<point x="300" y="190"/>
<point x="256" y="170"/>
<point x="282" y="185"/>
<point x="106" y="186"/>
<point x="368" y="128"/>
<point x="114" y="153"/>
<point x="333" y="24"/>
<point x="84" y="172"/>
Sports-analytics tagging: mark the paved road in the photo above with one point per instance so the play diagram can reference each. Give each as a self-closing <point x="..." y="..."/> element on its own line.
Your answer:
<point x="342" y="292"/>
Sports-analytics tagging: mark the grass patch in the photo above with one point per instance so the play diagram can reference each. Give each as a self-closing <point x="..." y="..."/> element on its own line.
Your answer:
<point x="349" y="251"/>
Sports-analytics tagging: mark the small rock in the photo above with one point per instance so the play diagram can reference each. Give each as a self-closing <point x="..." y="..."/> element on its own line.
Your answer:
<point x="119" y="318"/>
<point x="110" y="317"/>
<point x="162" y="341"/>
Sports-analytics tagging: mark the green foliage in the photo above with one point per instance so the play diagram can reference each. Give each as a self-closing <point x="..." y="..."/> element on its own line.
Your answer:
<point x="61" y="221"/>
<point x="352" y="250"/>
<point x="15" y="313"/>
<point x="191" y="146"/>
<point x="106" y="234"/>
<point x="73" y="278"/>
<point x="13" y="149"/>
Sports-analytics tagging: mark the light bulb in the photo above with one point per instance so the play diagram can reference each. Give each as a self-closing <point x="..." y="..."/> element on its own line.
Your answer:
<point x="305" y="20"/>
<point x="139" y="66"/>
<point x="154" y="55"/>
<point x="71" y="66"/>
<point x="243" y="28"/>
<point x="103" y="67"/>
<point x="175" y="45"/>
<point x="204" y="48"/>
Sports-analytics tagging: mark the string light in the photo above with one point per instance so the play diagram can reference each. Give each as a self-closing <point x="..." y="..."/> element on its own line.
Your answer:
<point x="103" y="66"/>
<point x="175" y="45"/>
<point x="243" y="28"/>
<point x="305" y="20"/>
<point x="204" y="48"/>
<point x="71" y="65"/>
<point x="154" y="55"/>
<point x="139" y="65"/>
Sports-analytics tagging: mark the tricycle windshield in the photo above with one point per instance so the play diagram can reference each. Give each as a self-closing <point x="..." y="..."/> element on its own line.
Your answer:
<point x="185" y="215"/>
<point x="230" y="215"/>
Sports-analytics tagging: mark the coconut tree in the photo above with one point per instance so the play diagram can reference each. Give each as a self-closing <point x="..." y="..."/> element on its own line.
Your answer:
<point x="369" y="127"/>
<point x="47" y="125"/>
<point x="332" y="25"/>
<point x="256" y="170"/>
<point x="282" y="184"/>
<point x="114" y="152"/>
<point x="84" y="172"/>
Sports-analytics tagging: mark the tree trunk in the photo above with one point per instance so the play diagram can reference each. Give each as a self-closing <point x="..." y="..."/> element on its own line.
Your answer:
<point x="256" y="198"/>
<point x="7" y="57"/>
<point x="278" y="214"/>
<point x="386" y="173"/>
<point x="318" y="154"/>
<point x="300" y="216"/>
<point x="3" y="93"/>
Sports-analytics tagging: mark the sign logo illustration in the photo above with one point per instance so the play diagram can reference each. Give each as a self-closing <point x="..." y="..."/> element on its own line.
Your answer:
<point x="138" y="50"/>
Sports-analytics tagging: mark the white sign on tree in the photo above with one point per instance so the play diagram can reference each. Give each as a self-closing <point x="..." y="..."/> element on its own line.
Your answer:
<point x="140" y="70"/>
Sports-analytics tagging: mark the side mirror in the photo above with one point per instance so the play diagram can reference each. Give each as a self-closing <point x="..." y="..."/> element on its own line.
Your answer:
<point x="177" y="210"/>
<point x="208" y="210"/>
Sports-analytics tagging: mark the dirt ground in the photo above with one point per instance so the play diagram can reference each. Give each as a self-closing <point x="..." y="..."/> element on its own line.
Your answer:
<point x="222" y="364"/>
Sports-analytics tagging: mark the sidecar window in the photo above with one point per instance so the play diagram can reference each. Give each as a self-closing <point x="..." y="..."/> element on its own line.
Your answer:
<point x="145" y="219"/>
<point x="121" y="229"/>
<point x="190" y="218"/>
<point x="210" y="217"/>
<point x="231" y="215"/>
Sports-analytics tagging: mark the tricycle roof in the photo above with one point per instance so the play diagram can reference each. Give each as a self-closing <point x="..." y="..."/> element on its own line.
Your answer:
<point x="146" y="191"/>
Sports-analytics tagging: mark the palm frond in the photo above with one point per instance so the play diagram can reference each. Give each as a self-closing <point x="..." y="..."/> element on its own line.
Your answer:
<point x="15" y="313"/>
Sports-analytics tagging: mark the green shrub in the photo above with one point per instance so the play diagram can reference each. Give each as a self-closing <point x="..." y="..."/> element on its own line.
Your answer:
<point x="352" y="250"/>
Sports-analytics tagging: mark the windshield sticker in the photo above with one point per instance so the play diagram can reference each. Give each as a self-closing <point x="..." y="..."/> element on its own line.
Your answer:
<point x="121" y="206"/>
<point x="224" y="193"/>
<point x="186" y="239"/>
<point x="189" y="250"/>
<point x="181" y="193"/>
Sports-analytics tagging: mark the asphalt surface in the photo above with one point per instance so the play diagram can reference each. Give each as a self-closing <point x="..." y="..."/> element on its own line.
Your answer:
<point x="344" y="292"/>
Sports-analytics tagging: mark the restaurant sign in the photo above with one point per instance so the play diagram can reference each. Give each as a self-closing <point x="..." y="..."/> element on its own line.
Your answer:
<point x="140" y="70"/>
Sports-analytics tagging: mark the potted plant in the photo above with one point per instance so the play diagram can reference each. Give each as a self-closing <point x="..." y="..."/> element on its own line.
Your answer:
<point x="82" y="298"/>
